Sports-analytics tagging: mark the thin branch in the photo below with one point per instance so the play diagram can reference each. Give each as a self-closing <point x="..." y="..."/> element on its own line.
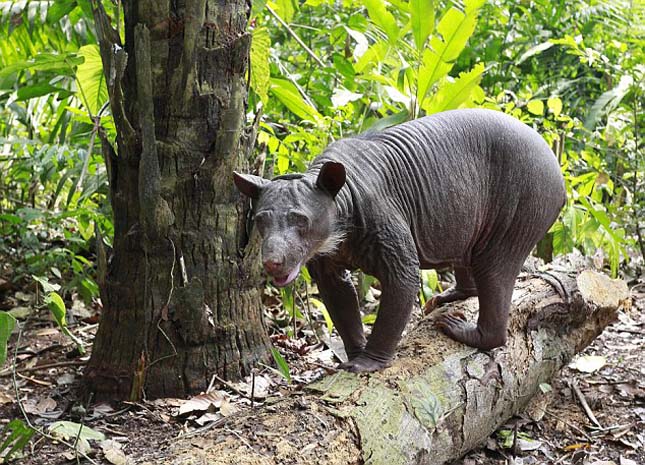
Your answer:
<point x="295" y="36"/>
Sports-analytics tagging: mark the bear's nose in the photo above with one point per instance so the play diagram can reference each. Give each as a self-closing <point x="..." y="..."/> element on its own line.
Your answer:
<point x="272" y="266"/>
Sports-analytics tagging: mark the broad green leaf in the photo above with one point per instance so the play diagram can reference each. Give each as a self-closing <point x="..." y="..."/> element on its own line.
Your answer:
<point x="59" y="9"/>
<point x="422" y="20"/>
<point x="555" y="105"/>
<point x="536" y="107"/>
<point x="389" y="121"/>
<point x="62" y="63"/>
<point x="369" y="319"/>
<point x="374" y="55"/>
<point x="257" y="6"/>
<point x="260" y="73"/>
<point x="91" y="81"/>
<point x="451" y="95"/>
<point x="455" y="28"/>
<point x="283" y="366"/>
<point x="289" y="95"/>
<point x="14" y="436"/>
<point x="383" y="19"/>
<point x="286" y="9"/>
<point x="57" y="307"/>
<point x="7" y="323"/>
<point x="38" y="90"/>
<point x="70" y="430"/>
<point x="343" y="66"/>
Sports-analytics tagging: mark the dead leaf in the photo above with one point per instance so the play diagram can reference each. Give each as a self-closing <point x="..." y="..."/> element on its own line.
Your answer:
<point x="262" y="386"/>
<point x="45" y="405"/>
<point x="5" y="398"/>
<point x="227" y="408"/>
<point x="23" y="296"/>
<point x="208" y="418"/>
<point x="67" y="378"/>
<point x="588" y="363"/>
<point x="626" y="461"/>
<point x="203" y="402"/>
<point x="20" y="312"/>
<point x="113" y="452"/>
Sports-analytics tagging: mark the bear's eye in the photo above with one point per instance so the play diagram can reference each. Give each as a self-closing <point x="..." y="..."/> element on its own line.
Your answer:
<point x="298" y="220"/>
<point x="261" y="221"/>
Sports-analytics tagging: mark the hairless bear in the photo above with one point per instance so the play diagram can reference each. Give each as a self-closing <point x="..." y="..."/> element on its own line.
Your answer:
<point x="473" y="189"/>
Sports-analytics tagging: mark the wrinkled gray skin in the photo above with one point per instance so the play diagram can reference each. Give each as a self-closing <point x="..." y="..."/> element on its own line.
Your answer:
<point x="472" y="189"/>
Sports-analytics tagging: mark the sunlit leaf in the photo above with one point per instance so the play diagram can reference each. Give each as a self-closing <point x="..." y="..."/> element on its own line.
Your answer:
<point x="555" y="105"/>
<point x="422" y="19"/>
<point x="59" y="9"/>
<point x="382" y="18"/>
<point x="260" y="74"/>
<point x="7" y="323"/>
<point x="451" y="95"/>
<point x="536" y="107"/>
<point x="91" y="81"/>
<point x="283" y="366"/>
<point x="289" y="95"/>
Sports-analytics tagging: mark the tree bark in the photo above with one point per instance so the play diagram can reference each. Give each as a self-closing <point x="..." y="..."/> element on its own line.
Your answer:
<point x="181" y="291"/>
<point x="439" y="399"/>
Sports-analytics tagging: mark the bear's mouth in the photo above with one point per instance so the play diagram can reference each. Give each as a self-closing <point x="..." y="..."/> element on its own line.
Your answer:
<point x="286" y="279"/>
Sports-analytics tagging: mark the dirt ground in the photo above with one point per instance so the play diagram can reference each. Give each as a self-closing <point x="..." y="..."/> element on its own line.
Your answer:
<point x="608" y="378"/>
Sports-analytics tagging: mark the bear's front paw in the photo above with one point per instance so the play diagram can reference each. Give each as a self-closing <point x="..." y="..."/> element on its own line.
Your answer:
<point x="364" y="364"/>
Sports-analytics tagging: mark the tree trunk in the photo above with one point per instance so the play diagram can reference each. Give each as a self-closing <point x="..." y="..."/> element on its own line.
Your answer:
<point x="440" y="398"/>
<point x="181" y="292"/>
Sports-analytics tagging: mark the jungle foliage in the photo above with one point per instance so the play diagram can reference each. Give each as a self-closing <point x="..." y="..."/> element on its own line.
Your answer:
<point x="322" y="70"/>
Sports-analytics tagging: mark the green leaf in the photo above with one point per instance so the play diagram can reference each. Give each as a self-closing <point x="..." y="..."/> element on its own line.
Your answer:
<point x="57" y="307"/>
<point x="260" y="73"/>
<point x="555" y="105"/>
<point x="47" y="286"/>
<point x="343" y="66"/>
<point x="321" y="306"/>
<point x="388" y="121"/>
<point x="536" y="107"/>
<point x="62" y="63"/>
<point x="455" y="28"/>
<point x="257" y="6"/>
<point x="608" y="101"/>
<point x="291" y="98"/>
<point x="422" y="19"/>
<point x="452" y="94"/>
<point x="70" y="430"/>
<point x="369" y="319"/>
<point x="38" y="90"/>
<point x="91" y="81"/>
<point x="283" y="366"/>
<point x="15" y="434"/>
<point x="286" y="9"/>
<point x="59" y="9"/>
<point x="383" y="19"/>
<point x="7" y="323"/>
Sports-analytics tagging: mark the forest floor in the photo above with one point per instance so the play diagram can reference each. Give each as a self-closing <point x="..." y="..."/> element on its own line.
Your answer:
<point x="608" y="377"/>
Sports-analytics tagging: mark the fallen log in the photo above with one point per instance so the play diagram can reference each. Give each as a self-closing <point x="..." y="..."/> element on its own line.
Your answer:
<point x="439" y="399"/>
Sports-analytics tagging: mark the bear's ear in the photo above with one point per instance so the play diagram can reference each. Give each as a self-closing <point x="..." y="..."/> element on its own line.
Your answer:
<point x="249" y="185"/>
<point x="331" y="177"/>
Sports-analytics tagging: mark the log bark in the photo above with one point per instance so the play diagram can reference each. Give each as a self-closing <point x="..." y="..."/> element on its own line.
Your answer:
<point x="439" y="399"/>
<point x="182" y="290"/>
